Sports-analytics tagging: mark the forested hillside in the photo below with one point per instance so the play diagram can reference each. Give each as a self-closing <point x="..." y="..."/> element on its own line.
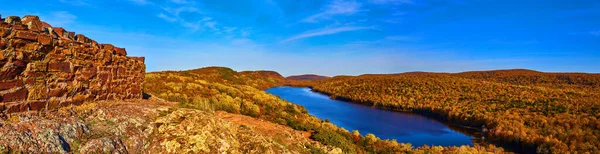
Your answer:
<point x="307" y="77"/>
<point x="543" y="112"/>
<point x="218" y="88"/>
<point x="530" y="77"/>
<point x="257" y="79"/>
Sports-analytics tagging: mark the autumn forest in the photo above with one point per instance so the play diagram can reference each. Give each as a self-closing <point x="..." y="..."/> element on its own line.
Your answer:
<point x="521" y="110"/>
<point x="534" y="111"/>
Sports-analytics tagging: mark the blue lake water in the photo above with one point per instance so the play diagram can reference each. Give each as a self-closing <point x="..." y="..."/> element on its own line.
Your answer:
<point x="404" y="127"/>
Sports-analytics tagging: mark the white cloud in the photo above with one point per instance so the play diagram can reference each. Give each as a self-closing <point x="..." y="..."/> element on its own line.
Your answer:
<point x="193" y="26"/>
<point x="172" y="14"/>
<point x="59" y="19"/>
<point x="229" y="29"/>
<point x="211" y="25"/>
<point x="343" y="7"/>
<point x="179" y="10"/>
<point x="189" y="16"/>
<point x="326" y="31"/>
<point x="206" y="18"/>
<point x="167" y="18"/>
<point x="337" y="7"/>
<point x="245" y="32"/>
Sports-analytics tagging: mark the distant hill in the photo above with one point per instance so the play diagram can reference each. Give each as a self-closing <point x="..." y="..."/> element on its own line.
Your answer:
<point x="531" y="77"/>
<point x="517" y="77"/>
<point x="405" y="73"/>
<point x="307" y="77"/>
<point x="257" y="79"/>
<point x="262" y="74"/>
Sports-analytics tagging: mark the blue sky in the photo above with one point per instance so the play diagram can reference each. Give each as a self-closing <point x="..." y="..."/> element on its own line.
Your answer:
<point x="338" y="36"/>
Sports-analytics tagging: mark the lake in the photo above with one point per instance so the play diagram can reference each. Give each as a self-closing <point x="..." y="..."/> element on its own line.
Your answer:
<point x="404" y="127"/>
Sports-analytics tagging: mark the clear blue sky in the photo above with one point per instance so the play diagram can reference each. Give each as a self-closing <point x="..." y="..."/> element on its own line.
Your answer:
<point x="338" y="36"/>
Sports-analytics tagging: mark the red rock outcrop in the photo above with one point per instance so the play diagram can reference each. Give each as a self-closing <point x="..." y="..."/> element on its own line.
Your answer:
<point x="45" y="67"/>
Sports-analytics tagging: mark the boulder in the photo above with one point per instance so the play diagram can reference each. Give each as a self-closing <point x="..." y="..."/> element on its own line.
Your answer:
<point x="46" y="25"/>
<point x="12" y="69"/>
<point x="59" y="66"/>
<point x="103" y="145"/>
<point x="13" y="20"/>
<point x="27" y="35"/>
<point x="60" y="32"/>
<point x="120" y="51"/>
<point x="33" y="23"/>
<point x="17" y="95"/>
<point x="37" y="105"/>
<point x="2" y="46"/>
<point x="44" y="39"/>
<point x="81" y="38"/>
<point x="71" y="35"/>
<point x="140" y="59"/>
<point x="4" y="32"/>
<point x="108" y="47"/>
<point x="4" y="85"/>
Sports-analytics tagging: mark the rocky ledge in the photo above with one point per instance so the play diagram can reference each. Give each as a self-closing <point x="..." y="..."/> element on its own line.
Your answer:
<point x="145" y="126"/>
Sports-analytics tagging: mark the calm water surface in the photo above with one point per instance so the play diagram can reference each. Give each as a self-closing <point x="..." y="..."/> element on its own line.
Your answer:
<point x="403" y="127"/>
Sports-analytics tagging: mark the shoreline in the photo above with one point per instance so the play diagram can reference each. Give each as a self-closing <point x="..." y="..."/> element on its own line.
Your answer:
<point x="462" y="127"/>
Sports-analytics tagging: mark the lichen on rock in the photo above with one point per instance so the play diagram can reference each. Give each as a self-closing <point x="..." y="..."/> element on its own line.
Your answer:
<point x="142" y="126"/>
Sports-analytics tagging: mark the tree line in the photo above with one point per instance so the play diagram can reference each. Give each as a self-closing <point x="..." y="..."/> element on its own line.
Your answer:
<point x="551" y="112"/>
<point x="218" y="88"/>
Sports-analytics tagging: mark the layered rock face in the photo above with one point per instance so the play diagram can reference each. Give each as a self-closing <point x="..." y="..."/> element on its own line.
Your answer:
<point x="45" y="67"/>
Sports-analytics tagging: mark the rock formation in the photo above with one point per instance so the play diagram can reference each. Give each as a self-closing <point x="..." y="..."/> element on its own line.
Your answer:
<point x="45" y="67"/>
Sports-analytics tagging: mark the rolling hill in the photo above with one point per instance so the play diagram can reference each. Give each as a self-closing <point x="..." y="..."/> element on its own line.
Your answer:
<point x="307" y="77"/>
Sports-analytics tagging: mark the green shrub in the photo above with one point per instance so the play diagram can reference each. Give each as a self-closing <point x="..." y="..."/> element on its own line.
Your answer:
<point x="334" y="138"/>
<point x="314" y="150"/>
<point x="250" y="109"/>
